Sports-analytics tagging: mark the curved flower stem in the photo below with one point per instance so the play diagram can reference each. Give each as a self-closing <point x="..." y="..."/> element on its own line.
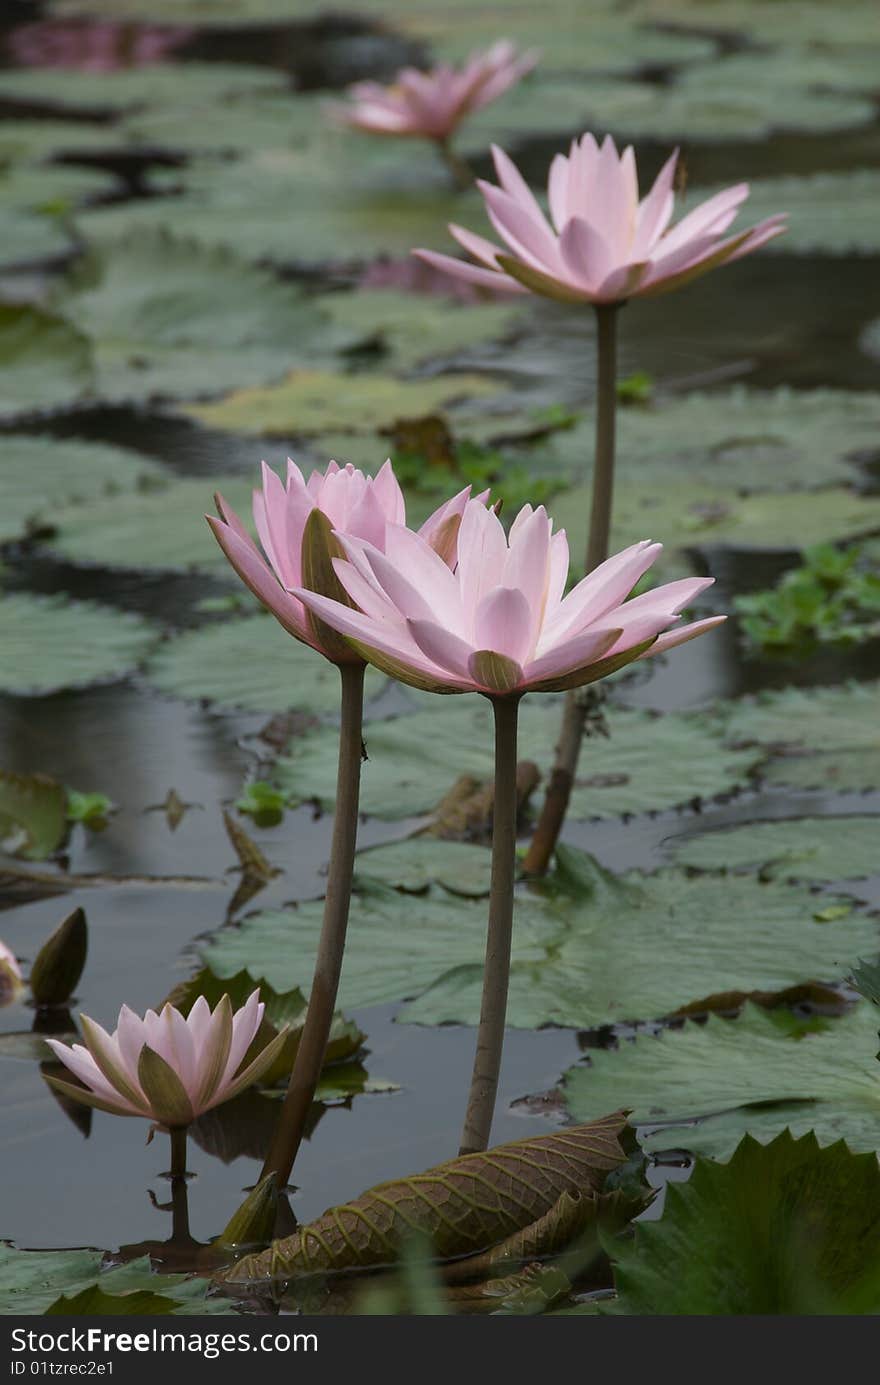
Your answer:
<point x="578" y="701"/>
<point x="331" y="944"/>
<point x="496" y="975"/>
<point x="460" y="169"/>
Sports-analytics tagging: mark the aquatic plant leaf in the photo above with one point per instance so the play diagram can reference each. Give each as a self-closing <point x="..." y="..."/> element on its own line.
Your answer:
<point x="821" y="737"/>
<point x="402" y="329"/>
<point x="418" y="862"/>
<point x="828" y="213"/>
<point x="94" y="1300"/>
<point x="784" y="1228"/>
<point x="32" y="1281"/>
<point x="588" y="948"/>
<point x="703" y="1086"/>
<point x="45" y="361"/>
<point x="463" y="1206"/>
<point x="829" y="848"/>
<point x="36" y="201"/>
<point x="47" y="643"/>
<point x="158" y="327"/>
<point x="311" y="401"/>
<point x="33" y="820"/>
<point x="648" y="762"/>
<point x="250" y="663"/>
<point x="866" y="979"/>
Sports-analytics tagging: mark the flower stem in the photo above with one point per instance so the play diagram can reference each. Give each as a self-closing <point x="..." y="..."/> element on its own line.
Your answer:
<point x="496" y="975"/>
<point x="177" y="1135"/>
<point x="331" y="944"/>
<point x="577" y="701"/>
<point x="461" y="171"/>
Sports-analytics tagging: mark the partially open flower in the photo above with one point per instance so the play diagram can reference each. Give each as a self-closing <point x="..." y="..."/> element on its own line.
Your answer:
<point x="432" y="104"/>
<point x="602" y="245"/>
<point x="499" y="623"/>
<point x="10" y="975"/>
<point x="295" y="523"/>
<point x="166" y="1068"/>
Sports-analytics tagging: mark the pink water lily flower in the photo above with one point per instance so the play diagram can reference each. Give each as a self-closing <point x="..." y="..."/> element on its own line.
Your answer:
<point x="432" y="104"/>
<point x="166" y="1068"/>
<point x="295" y="522"/>
<point x="10" y="974"/>
<point x="500" y="622"/>
<point x="601" y="244"/>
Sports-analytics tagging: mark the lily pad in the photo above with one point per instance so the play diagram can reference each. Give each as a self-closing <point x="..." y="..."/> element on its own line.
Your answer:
<point x="737" y="440"/>
<point x="785" y="1228"/>
<point x="158" y="530"/>
<point x="588" y="948"/>
<point x="158" y="325"/>
<point x="405" y="328"/>
<point x="832" y="848"/>
<point x="648" y="762"/>
<point x="740" y="1075"/>
<point x="45" y="362"/>
<point x="154" y="84"/>
<point x="33" y="813"/>
<point x="823" y="738"/>
<point x="31" y="1282"/>
<point x="829" y="213"/>
<point x="415" y="864"/>
<point x="41" y="473"/>
<point x="48" y="643"/>
<point x="250" y="663"/>
<point x="311" y="401"/>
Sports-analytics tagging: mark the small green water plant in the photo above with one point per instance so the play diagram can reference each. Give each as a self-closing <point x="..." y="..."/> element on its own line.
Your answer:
<point x="833" y="598"/>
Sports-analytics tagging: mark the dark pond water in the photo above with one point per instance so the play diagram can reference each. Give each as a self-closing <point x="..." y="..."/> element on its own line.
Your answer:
<point x="74" y="1182"/>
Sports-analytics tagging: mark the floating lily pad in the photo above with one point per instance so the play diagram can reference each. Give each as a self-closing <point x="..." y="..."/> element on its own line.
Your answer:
<point x="32" y="1280"/>
<point x="158" y="325"/>
<point x="154" y="84"/>
<point x="742" y="1075"/>
<point x="33" y="813"/>
<point x="415" y="864"/>
<point x="39" y="474"/>
<point x="588" y="949"/>
<point x="45" y="361"/>
<point x="808" y="22"/>
<point x="310" y="401"/>
<point x="736" y="440"/>
<point x="48" y="643"/>
<point x="786" y="1228"/>
<point x="648" y="761"/>
<point x="828" y="213"/>
<point x="826" y="737"/>
<point x="160" y="529"/>
<point x="832" y="848"/>
<point x="250" y="663"/>
<point x="405" y="328"/>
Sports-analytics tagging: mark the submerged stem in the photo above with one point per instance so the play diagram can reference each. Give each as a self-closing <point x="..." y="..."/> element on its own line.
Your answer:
<point x="331" y="944"/>
<point x="574" y="714"/>
<point x="496" y="975"/>
<point x="460" y="169"/>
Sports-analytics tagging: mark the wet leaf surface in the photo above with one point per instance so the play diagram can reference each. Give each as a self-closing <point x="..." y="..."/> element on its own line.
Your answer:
<point x="47" y="643"/>
<point x="34" y="1281"/>
<point x="840" y="848"/>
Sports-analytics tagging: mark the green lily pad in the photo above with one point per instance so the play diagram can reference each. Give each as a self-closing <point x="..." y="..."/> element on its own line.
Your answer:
<point x="158" y="325"/>
<point x="785" y="1228"/>
<point x="737" y="440"/>
<point x="414" y="865"/>
<point x="406" y="328"/>
<point x="33" y="813"/>
<point x="824" y="737"/>
<point x="154" y="84"/>
<point x="41" y="473"/>
<point x="24" y="142"/>
<point x="832" y="848"/>
<point x="157" y="530"/>
<point x="250" y="663"/>
<point x="588" y="948"/>
<point x="828" y="213"/>
<point x="809" y="22"/>
<point x="45" y="362"/>
<point x="32" y="1281"/>
<point x="708" y="1083"/>
<point x="648" y="762"/>
<point x="48" y="643"/>
<point x="311" y="401"/>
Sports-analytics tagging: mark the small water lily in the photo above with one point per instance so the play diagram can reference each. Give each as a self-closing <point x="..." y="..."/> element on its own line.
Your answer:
<point x="602" y="244"/>
<point x="164" y="1067"/>
<point x="500" y="622"/>
<point x="432" y="104"/>
<point x="10" y="975"/>
<point x="295" y="523"/>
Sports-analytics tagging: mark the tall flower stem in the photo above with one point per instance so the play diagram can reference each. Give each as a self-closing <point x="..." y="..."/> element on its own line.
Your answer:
<point x="331" y="944"/>
<point x="496" y="975"/>
<point x="460" y="169"/>
<point x="578" y="701"/>
<point x="177" y="1135"/>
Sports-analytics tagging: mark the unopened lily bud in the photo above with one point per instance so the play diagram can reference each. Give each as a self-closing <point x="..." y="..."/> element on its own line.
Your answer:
<point x="59" y="963"/>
